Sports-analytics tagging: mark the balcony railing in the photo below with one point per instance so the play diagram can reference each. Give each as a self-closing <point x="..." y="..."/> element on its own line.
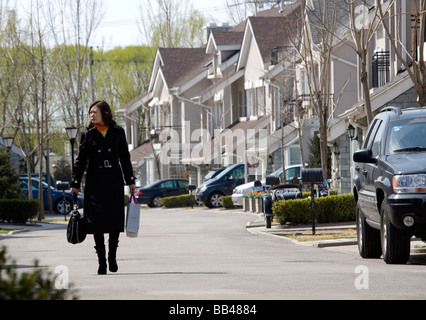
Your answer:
<point x="380" y="69"/>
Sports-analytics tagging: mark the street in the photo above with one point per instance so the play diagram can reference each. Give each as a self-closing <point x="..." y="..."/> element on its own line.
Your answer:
<point x="202" y="254"/>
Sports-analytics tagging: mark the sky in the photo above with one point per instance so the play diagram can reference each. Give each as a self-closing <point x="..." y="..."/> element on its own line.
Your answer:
<point x="119" y="26"/>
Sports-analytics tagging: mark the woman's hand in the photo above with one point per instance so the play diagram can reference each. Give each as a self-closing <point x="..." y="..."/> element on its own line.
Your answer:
<point x="132" y="188"/>
<point x="74" y="190"/>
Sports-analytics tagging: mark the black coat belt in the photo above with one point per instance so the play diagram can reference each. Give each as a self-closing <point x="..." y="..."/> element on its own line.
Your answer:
<point x="106" y="164"/>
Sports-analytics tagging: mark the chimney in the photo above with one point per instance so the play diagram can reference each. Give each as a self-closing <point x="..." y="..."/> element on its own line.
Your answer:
<point x="214" y="26"/>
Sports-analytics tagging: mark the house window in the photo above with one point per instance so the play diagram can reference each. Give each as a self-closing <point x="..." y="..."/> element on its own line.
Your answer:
<point x="242" y="104"/>
<point x="295" y="157"/>
<point x="154" y="117"/>
<point x="217" y="114"/>
<point x="261" y="101"/>
<point x="277" y="108"/>
<point x="250" y="102"/>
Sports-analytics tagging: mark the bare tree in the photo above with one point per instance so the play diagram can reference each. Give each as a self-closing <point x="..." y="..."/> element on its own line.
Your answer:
<point x="171" y="24"/>
<point x="363" y="25"/>
<point x="240" y="10"/>
<point x="410" y="55"/>
<point x="314" y="49"/>
<point x="72" y="25"/>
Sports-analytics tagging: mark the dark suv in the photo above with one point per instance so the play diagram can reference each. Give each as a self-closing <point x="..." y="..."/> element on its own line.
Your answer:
<point x="390" y="184"/>
<point x="210" y="192"/>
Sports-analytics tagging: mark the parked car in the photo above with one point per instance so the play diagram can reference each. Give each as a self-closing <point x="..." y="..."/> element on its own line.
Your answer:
<point x="57" y="196"/>
<point x="213" y="173"/>
<point x="390" y="184"/>
<point x="152" y="193"/>
<point x="36" y="176"/>
<point x="210" y="192"/>
<point x="292" y="173"/>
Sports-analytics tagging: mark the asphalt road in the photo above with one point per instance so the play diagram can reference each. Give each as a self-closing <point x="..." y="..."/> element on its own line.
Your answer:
<point x="202" y="254"/>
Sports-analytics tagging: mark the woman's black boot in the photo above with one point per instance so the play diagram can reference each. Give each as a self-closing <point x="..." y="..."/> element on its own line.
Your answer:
<point x="100" y="250"/>
<point x="112" y="252"/>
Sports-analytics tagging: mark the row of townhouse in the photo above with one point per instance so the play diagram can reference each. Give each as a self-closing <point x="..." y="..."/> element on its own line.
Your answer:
<point x="243" y="98"/>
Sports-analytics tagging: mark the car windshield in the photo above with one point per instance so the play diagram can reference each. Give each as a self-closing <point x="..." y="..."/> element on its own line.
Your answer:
<point x="153" y="184"/>
<point x="212" y="173"/>
<point x="407" y="136"/>
<point x="277" y="173"/>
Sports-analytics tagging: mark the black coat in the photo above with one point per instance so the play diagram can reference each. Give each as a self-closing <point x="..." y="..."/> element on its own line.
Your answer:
<point x="106" y="161"/>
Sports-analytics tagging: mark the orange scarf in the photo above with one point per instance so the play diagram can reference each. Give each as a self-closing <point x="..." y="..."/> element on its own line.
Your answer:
<point x="102" y="129"/>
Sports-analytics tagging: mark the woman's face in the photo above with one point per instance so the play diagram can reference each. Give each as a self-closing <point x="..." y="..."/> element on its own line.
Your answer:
<point x="96" y="116"/>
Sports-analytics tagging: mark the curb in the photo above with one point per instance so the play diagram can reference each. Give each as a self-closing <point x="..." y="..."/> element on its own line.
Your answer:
<point x="319" y="244"/>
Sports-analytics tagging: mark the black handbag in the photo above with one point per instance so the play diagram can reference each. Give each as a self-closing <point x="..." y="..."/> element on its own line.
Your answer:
<point x="76" y="230"/>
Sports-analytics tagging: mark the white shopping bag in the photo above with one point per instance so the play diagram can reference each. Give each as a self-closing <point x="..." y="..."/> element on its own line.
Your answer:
<point x="133" y="216"/>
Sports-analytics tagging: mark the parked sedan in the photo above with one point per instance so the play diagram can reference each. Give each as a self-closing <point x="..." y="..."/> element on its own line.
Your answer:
<point x="152" y="193"/>
<point x="57" y="196"/>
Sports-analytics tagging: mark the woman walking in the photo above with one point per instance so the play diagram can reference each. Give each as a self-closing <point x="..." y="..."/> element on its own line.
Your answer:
<point x="104" y="156"/>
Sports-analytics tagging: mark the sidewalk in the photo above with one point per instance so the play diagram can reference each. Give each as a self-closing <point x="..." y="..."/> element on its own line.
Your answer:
<point x="36" y="225"/>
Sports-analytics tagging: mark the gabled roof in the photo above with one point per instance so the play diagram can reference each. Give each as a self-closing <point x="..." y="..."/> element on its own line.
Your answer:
<point x="179" y="65"/>
<point x="271" y="29"/>
<point x="224" y="40"/>
<point x="326" y="15"/>
<point x="135" y="103"/>
<point x="141" y="152"/>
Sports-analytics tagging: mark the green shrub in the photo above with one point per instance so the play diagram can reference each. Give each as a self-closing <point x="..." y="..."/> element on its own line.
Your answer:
<point x="339" y="208"/>
<point x="184" y="200"/>
<point x="10" y="187"/>
<point x="227" y="202"/>
<point x="18" y="210"/>
<point x="35" y="285"/>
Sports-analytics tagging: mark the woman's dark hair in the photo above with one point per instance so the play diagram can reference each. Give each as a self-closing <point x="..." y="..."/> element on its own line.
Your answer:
<point x="105" y="111"/>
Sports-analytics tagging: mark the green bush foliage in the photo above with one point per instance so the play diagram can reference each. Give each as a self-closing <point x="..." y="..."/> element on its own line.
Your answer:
<point x="339" y="208"/>
<point x="18" y="210"/>
<point x="184" y="200"/>
<point x="36" y="285"/>
<point x="10" y="187"/>
<point x="227" y="202"/>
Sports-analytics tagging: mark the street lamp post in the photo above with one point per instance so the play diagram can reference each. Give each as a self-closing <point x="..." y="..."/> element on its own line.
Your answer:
<point x="72" y="134"/>
<point x="8" y="142"/>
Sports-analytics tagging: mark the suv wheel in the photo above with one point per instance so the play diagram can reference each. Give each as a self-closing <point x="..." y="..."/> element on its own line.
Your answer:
<point x="368" y="237"/>
<point x="395" y="242"/>
<point x="215" y="200"/>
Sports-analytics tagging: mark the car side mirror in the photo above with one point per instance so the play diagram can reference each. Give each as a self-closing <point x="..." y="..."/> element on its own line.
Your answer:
<point x="364" y="156"/>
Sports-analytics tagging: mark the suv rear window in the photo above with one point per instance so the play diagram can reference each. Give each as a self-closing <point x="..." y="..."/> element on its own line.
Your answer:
<point x="407" y="135"/>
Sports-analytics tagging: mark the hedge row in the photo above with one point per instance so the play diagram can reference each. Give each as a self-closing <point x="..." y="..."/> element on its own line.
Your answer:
<point x="184" y="200"/>
<point x="18" y="210"/>
<point x="339" y="208"/>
